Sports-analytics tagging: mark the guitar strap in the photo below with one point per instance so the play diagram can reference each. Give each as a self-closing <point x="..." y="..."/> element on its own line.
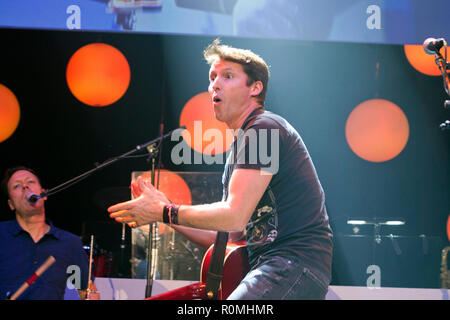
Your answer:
<point x="214" y="275"/>
<point x="215" y="271"/>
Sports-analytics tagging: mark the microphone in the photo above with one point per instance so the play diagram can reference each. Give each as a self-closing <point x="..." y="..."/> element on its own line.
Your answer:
<point x="432" y="45"/>
<point x="33" y="198"/>
<point x="447" y="104"/>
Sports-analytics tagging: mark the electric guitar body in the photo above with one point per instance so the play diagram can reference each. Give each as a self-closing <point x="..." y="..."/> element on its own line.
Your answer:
<point x="235" y="267"/>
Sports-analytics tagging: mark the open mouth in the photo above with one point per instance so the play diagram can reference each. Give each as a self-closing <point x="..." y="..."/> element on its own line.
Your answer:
<point x="216" y="100"/>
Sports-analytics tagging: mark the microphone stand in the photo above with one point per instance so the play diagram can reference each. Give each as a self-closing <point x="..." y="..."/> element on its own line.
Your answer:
<point x="153" y="228"/>
<point x="444" y="66"/>
<point x="120" y="270"/>
<point x="151" y="236"/>
<point x="83" y="176"/>
<point x="77" y="179"/>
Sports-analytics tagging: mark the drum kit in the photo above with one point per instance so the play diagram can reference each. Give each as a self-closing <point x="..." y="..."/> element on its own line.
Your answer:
<point x="174" y="257"/>
<point x="101" y="261"/>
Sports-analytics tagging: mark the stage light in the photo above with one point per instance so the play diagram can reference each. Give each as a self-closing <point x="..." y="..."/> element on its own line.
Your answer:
<point x="356" y="222"/>
<point x="98" y="74"/>
<point x="9" y="113"/>
<point x="395" y="223"/>
<point x="421" y="61"/>
<point x="172" y="185"/>
<point x="204" y="133"/>
<point x="448" y="227"/>
<point x="369" y="221"/>
<point x="377" y="130"/>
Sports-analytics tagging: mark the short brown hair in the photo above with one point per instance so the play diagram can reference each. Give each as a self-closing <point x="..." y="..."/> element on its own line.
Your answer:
<point x="9" y="173"/>
<point x="252" y="64"/>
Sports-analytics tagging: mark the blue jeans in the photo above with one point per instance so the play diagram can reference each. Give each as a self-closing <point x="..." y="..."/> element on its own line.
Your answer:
<point x="281" y="278"/>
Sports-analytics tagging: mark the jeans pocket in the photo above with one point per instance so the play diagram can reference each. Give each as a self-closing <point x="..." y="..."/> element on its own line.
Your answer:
<point x="307" y="286"/>
<point x="281" y="278"/>
<point x="315" y="278"/>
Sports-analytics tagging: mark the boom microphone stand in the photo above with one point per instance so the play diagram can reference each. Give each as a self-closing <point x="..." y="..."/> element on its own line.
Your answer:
<point x="433" y="46"/>
<point x="83" y="176"/>
<point x="153" y="230"/>
<point x="154" y="151"/>
<point x="73" y="181"/>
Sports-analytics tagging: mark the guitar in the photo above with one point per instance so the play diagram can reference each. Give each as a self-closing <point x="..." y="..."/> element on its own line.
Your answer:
<point x="235" y="267"/>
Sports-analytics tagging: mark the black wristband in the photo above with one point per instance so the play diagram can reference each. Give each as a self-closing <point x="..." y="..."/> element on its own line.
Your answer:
<point x="170" y="214"/>
<point x="166" y="213"/>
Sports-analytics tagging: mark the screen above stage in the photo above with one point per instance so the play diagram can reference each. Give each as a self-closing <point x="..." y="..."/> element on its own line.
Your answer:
<point x="365" y="21"/>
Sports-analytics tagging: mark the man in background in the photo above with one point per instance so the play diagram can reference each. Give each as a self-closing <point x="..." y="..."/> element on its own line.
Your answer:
<point x="29" y="239"/>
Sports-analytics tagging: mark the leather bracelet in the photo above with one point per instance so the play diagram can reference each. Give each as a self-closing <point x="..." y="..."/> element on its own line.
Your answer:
<point x="166" y="213"/>
<point x="170" y="214"/>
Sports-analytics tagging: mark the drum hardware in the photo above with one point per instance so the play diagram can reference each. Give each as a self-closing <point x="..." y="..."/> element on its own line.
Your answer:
<point x="121" y="268"/>
<point x="433" y="46"/>
<point x="90" y="291"/>
<point x="377" y="223"/>
<point x="445" y="272"/>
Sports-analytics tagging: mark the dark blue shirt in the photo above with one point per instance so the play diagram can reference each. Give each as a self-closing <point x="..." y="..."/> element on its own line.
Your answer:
<point x="20" y="257"/>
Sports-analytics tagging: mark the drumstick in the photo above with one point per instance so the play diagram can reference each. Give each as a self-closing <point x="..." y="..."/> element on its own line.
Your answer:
<point x="50" y="260"/>
<point x="90" y="262"/>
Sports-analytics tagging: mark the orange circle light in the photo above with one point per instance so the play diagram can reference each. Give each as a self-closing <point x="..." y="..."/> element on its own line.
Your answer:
<point x="204" y="133"/>
<point x="172" y="185"/>
<point x="448" y="227"/>
<point x="9" y="113"/>
<point x="421" y="61"/>
<point x="98" y="74"/>
<point x="377" y="130"/>
<point x="175" y="189"/>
